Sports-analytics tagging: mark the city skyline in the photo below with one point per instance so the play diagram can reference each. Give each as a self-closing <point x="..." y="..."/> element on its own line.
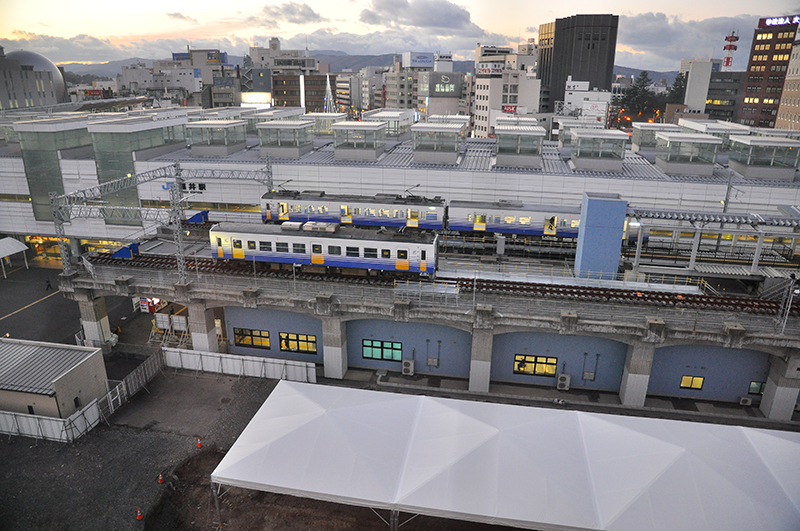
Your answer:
<point x="648" y="39"/>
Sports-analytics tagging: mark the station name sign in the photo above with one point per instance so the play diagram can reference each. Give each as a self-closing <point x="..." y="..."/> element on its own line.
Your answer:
<point x="778" y="21"/>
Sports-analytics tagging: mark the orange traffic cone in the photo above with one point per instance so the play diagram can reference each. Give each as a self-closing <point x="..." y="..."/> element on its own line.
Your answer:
<point x="139" y="514"/>
<point x="160" y="478"/>
<point x="198" y="443"/>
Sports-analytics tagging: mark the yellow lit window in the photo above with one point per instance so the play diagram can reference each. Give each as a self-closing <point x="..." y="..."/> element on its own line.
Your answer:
<point x="245" y="337"/>
<point x="692" y="382"/>
<point x="298" y="343"/>
<point x="535" y="365"/>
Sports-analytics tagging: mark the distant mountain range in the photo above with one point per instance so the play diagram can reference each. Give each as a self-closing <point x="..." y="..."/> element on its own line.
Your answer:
<point x="339" y="61"/>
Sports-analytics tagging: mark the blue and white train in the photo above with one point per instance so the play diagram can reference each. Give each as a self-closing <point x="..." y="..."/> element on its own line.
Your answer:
<point x="503" y="217"/>
<point x="326" y="245"/>
<point x="382" y="210"/>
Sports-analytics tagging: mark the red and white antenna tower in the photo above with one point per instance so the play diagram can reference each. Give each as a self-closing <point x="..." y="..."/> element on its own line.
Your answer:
<point x="729" y="48"/>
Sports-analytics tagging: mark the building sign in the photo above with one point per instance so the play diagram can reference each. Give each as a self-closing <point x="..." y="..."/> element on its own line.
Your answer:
<point x="510" y="108"/>
<point x="418" y="60"/>
<point x="441" y="84"/>
<point x="779" y="21"/>
<point x="489" y="68"/>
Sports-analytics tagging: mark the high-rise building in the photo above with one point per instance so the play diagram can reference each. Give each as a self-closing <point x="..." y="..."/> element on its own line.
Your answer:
<point x="31" y="80"/>
<point x="789" y="110"/>
<point x="767" y="68"/>
<point x="582" y="46"/>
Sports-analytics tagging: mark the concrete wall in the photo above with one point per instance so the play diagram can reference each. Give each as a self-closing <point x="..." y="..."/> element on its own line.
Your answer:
<point x="18" y="403"/>
<point x="568" y="349"/>
<point x="727" y="372"/>
<point x="420" y="341"/>
<point x="274" y="322"/>
<point x="86" y="381"/>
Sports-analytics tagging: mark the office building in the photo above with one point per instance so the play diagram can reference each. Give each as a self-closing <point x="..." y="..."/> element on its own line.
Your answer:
<point x="789" y="110"/>
<point x="582" y="46"/>
<point x="767" y="69"/>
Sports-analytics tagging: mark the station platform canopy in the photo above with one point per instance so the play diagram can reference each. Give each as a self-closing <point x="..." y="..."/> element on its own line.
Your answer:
<point x="527" y="467"/>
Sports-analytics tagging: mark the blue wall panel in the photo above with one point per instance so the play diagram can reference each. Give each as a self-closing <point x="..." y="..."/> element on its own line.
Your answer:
<point x="727" y="372"/>
<point x="274" y="322"/>
<point x="600" y="235"/>
<point x="419" y="340"/>
<point x="568" y="349"/>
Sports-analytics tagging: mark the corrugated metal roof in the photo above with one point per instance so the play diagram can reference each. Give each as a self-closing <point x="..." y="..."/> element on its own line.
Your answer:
<point x="31" y="367"/>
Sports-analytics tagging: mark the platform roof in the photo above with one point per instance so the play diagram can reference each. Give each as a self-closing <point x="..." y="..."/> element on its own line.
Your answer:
<point x="520" y="130"/>
<point x="535" y="468"/>
<point x="767" y="141"/>
<point x="216" y="124"/>
<point x="285" y="124"/>
<point x="688" y="138"/>
<point x="9" y="246"/>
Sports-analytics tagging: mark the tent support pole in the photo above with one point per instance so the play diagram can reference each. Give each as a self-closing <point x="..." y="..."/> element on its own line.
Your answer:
<point x="216" y="502"/>
<point x="3" y="263"/>
<point x="394" y="520"/>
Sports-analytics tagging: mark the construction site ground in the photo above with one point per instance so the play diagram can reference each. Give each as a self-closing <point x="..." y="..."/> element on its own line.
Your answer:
<point x="99" y="481"/>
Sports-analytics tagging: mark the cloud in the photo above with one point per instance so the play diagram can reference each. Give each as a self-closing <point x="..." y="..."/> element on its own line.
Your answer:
<point x="180" y="16"/>
<point x="88" y="48"/>
<point x="440" y="16"/>
<point x="666" y="40"/>
<point x="532" y="29"/>
<point x="293" y="13"/>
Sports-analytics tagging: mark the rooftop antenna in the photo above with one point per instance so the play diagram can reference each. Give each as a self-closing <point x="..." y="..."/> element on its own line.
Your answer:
<point x="729" y="48"/>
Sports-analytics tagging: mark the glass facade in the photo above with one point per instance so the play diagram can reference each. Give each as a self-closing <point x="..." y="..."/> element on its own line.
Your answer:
<point x="359" y="138"/>
<point x="519" y="144"/>
<point x="598" y="147"/>
<point x="765" y="155"/>
<point x="221" y="135"/>
<point x="302" y="135"/>
<point x="676" y="151"/>
<point x="42" y="169"/>
<point x="435" y="140"/>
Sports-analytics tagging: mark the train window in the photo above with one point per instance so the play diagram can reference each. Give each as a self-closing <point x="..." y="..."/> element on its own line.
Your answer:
<point x="334" y="250"/>
<point x="510" y="219"/>
<point x="369" y="212"/>
<point x="381" y="350"/>
<point x="535" y="365"/>
<point x="525" y="220"/>
<point x="353" y="251"/>
<point x="344" y="210"/>
<point x="370" y="253"/>
<point x="480" y="218"/>
<point x="219" y="242"/>
<point x="251" y="245"/>
<point x="316" y="248"/>
<point x="402" y="254"/>
<point x="244" y="337"/>
<point x="356" y="211"/>
<point x="265" y="246"/>
<point x="237" y="244"/>
<point x="298" y="343"/>
<point x="299" y="248"/>
<point x="383" y="212"/>
<point x="469" y="217"/>
<point x="432" y="216"/>
<point x="281" y="247"/>
<point x="395" y="213"/>
<point x="424" y="255"/>
<point x="386" y="253"/>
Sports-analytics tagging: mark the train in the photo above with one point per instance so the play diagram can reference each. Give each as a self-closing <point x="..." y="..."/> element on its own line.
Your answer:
<point x="415" y="212"/>
<point x="327" y="247"/>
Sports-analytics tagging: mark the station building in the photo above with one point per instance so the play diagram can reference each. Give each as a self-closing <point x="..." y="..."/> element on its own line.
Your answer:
<point x="631" y="350"/>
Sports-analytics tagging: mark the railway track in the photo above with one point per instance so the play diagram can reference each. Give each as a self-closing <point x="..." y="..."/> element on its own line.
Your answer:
<point x="489" y="287"/>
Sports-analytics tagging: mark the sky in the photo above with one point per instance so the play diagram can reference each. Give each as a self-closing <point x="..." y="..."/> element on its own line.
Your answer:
<point x="652" y="35"/>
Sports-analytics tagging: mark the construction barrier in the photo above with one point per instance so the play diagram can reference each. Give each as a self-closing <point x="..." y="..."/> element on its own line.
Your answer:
<point x="50" y="428"/>
<point x="236" y="365"/>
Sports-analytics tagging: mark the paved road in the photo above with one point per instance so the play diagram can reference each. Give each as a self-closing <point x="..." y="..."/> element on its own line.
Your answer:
<point x="28" y="310"/>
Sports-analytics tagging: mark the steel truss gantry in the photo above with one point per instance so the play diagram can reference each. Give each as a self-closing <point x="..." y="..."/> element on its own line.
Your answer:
<point x="88" y="203"/>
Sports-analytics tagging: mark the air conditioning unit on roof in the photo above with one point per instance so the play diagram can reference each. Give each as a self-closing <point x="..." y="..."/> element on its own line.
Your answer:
<point x="562" y="381"/>
<point x="408" y="367"/>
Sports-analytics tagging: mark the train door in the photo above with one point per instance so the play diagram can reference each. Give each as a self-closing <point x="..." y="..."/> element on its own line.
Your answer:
<point x="401" y="262"/>
<point x="316" y="254"/>
<point x="479" y="221"/>
<point x="412" y="220"/>
<point x="283" y="211"/>
<point x="550" y="226"/>
<point x="345" y="214"/>
<point x="267" y="214"/>
<point x="237" y="248"/>
<point x="223" y="244"/>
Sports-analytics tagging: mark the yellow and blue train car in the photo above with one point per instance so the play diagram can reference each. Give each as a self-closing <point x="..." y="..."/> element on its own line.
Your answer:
<point x="326" y="244"/>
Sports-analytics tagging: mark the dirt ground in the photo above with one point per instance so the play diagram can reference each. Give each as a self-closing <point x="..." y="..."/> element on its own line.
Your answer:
<point x="188" y="505"/>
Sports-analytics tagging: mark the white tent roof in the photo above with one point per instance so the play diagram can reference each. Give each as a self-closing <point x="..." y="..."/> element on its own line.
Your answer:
<point x="520" y="466"/>
<point x="9" y="246"/>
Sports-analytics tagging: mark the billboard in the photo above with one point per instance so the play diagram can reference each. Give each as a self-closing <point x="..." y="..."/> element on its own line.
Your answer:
<point x="489" y="69"/>
<point x="418" y="60"/>
<point x="779" y="21"/>
<point x="440" y="84"/>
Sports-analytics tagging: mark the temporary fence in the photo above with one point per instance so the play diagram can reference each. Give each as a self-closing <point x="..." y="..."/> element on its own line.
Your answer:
<point x="235" y="365"/>
<point x="132" y="384"/>
<point x="50" y="428"/>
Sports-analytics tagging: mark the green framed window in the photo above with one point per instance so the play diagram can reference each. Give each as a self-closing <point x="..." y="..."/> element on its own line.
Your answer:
<point x="246" y="337"/>
<point x="535" y="365"/>
<point x="375" y="349"/>
<point x="298" y="343"/>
